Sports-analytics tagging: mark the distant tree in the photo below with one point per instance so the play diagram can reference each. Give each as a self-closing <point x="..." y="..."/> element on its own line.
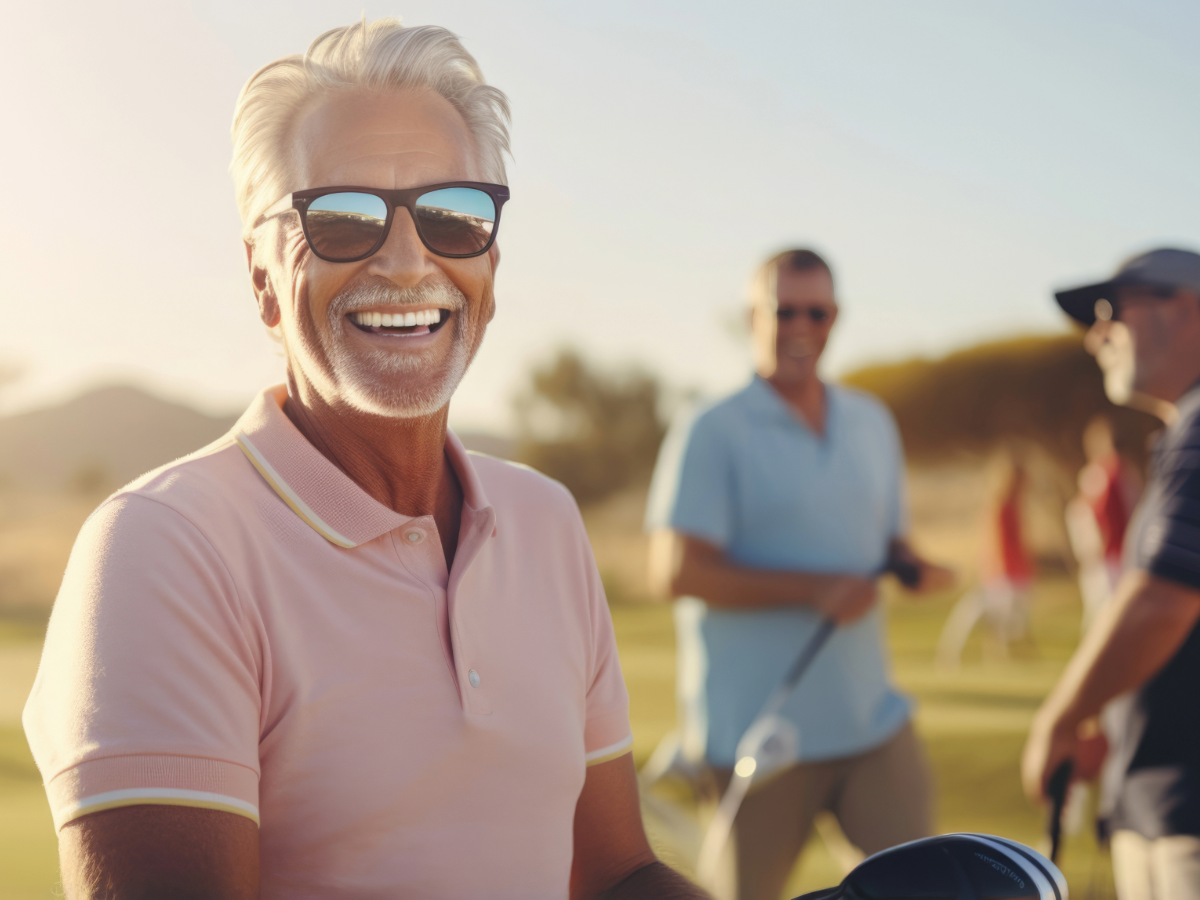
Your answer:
<point x="1042" y="389"/>
<point x="594" y="431"/>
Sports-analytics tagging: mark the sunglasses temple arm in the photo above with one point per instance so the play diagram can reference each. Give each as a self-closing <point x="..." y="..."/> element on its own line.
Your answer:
<point x="282" y="205"/>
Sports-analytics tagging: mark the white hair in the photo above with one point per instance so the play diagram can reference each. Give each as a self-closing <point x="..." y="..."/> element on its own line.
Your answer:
<point x="380" y="56"/>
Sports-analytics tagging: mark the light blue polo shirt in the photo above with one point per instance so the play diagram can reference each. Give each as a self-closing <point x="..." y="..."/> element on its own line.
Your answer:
<point x="748" y="475"/>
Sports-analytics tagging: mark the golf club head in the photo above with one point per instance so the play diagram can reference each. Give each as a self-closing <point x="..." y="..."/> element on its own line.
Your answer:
<point x="773" y="743"/>
<point x="952" y="867"/>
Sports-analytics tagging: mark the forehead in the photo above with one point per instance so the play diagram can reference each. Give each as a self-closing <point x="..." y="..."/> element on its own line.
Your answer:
<point x="386" y="140"/>
<point x="807" y="286"/>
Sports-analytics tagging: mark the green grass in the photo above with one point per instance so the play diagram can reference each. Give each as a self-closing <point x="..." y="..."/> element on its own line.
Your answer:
<point x="973" y="722"/>
<point x="28" y="851"/>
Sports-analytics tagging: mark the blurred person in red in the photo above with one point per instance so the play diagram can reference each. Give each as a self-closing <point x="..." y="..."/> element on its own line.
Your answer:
<point x="1098" y="516"/>
<point x="1002" y="599"/>
<point x="1141" y="657"/>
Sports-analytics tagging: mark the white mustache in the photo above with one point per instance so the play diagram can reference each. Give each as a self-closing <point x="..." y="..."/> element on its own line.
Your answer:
<point x="363" y="296"/>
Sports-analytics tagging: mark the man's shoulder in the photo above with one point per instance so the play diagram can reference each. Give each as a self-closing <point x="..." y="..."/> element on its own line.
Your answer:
<point x="508" y="483"/>
<point x="217" y="474"/>
<point x="717" y="415"/>
<point x="1179" y="451"/>
<point x="860" y="402"/>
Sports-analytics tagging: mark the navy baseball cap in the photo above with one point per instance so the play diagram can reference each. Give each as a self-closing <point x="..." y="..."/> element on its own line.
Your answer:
<point x="1164" y="268"/>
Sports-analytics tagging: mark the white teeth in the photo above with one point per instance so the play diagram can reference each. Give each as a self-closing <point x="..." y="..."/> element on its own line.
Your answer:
<point x="397" y="320"/>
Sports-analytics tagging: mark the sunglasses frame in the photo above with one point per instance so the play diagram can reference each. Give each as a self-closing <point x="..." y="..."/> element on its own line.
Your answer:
<point x="301" y="200"/>
<point x="793" y="313"/>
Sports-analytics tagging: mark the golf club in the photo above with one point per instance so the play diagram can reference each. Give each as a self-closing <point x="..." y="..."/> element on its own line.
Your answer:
<point x="1056" y="789"/>
<point x="769" y="744"/>
<point x="952" y="867"/>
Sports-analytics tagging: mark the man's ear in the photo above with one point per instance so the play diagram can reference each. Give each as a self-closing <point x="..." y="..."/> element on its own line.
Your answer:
<point x="264" y="290"/>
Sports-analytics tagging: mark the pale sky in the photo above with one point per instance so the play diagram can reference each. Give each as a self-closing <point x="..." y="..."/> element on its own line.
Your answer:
<point x="955" y="162"/>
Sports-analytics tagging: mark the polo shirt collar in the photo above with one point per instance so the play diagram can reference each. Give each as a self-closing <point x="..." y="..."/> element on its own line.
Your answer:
<point x="764" y="401"/>
<point x="320" y="493"/>
<point x="1189" y="402"/>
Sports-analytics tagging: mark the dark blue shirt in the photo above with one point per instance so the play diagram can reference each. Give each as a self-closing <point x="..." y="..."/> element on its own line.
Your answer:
<point x="1157" y="751"/>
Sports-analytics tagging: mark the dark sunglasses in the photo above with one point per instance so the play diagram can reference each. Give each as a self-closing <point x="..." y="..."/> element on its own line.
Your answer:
<point x="1107" y="309"/>
<point x="818" y="315"/>
<point x="456" y="219"/>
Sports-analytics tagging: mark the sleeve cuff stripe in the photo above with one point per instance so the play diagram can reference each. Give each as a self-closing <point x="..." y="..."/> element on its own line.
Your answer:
<point x="612" y="751"/>
<point x="153" y="797"/>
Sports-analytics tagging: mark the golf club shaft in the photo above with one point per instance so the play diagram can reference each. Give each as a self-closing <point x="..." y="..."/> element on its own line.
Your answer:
<point x="1056" y="789"/>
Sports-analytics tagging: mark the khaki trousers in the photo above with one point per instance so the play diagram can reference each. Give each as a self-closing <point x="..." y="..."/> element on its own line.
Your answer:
<point x="880" y="798"/>
<point x="1167" y="868"/>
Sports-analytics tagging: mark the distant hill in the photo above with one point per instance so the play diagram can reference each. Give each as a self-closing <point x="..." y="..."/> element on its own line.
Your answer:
<point x="101" y="439"/>
<point x="107" y="437"/>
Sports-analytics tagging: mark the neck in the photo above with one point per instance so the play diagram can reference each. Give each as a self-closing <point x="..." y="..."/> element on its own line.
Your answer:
<point x="806" y="396"/>
<point x="400" y="462"/>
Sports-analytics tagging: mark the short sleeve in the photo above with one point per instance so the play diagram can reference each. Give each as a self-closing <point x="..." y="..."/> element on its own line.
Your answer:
<point x="898" y="517"/>
<point x="1169" y="545"/>
<point x="692" y="488"/>
<point x="148" y="691"/>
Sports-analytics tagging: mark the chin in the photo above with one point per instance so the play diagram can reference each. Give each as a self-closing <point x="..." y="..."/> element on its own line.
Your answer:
<point x="401" y="390"/>
<point x="400" y="385"/>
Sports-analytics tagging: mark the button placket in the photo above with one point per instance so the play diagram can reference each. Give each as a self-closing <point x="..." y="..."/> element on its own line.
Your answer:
<point x="474" y="692"/>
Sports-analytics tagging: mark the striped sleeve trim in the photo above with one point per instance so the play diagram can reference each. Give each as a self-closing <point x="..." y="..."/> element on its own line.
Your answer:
<point x="153" y="797"/>
<point x="289" y="496"/>
<point x="612" y="751"/>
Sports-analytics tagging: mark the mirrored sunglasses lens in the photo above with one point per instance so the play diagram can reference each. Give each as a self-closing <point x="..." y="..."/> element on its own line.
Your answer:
<point x="345" y="225"/>
<point x="456" y="221"/>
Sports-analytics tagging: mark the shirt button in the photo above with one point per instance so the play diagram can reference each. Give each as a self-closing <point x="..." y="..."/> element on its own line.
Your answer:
<point x="473" y="677"/>
<point x="413" y="537"/>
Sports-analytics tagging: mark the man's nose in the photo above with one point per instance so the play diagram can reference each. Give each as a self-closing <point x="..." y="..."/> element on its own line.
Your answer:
<point x="402" y="259"/>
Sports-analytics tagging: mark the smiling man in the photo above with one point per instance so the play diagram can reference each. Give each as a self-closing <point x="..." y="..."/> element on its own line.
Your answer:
<point x="772" y="510"/>
<point x="333" y="655"/>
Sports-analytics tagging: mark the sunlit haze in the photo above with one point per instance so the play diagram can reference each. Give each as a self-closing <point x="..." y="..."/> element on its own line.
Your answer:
<point x="955" y="162"/>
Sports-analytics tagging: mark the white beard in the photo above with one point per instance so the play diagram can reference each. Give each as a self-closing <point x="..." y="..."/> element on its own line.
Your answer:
<point x="398" y="385"/>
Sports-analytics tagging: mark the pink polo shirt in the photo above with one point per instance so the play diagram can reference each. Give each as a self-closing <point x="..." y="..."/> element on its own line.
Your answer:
<point x="245" y="629"/>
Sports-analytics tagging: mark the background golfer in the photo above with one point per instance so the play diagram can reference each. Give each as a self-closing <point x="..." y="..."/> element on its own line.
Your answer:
<point x="1144" y="646"/>
<point x="772" y="509"/>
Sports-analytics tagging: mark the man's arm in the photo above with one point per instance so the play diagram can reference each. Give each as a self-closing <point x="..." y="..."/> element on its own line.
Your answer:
<point x="1132" y="639"/>
<point x="613" y="859"/>
<point x="682" y="565"/>
<point x="151" y="852"/>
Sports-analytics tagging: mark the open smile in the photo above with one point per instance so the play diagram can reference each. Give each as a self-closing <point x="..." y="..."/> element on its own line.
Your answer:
<point x="400" y="324"/>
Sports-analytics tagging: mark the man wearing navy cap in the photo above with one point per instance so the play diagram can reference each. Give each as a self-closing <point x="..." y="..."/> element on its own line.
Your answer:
<point x="1143" y="652"/>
